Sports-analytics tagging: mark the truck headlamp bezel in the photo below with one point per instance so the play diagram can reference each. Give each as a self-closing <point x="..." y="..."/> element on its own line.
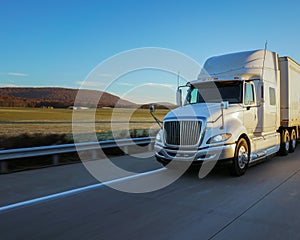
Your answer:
<point x="219" y="138"/>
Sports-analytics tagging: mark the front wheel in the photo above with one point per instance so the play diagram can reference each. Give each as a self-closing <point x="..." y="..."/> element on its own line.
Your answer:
<point x="241" y="158"/>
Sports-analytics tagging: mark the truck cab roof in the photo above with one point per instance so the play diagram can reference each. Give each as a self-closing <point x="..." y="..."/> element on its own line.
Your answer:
<point x="239" y="66"/>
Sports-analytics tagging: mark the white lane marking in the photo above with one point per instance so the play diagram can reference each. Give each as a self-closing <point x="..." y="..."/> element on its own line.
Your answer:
<point x="76" y="190"/>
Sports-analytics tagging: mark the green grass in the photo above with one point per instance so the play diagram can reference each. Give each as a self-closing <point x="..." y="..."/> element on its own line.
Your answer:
<point x="35" y="123"/>
<point x="32" y="115"/>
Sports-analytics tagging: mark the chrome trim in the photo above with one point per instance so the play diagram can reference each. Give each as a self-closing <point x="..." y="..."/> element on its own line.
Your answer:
<point x="213" y="153"/>
<point x="187" y="129"/>
<point x="259" y="155"/>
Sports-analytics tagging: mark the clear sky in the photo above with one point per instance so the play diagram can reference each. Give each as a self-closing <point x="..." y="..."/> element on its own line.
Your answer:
<point x="58" y="42"/>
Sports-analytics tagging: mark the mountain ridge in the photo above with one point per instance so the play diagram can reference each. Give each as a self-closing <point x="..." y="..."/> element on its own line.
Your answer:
<point x="59" y="97"/>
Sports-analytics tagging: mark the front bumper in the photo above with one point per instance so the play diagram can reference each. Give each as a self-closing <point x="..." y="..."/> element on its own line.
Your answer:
<point x="223" y="152"/>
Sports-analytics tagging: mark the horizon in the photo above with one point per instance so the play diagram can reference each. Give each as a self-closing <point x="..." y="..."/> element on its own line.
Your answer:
<point x="47" y="87"/>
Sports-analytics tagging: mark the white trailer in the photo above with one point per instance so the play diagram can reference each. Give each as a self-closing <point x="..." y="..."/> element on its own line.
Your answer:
<point x="289" y="100"/>
<point x="244" y="107"/>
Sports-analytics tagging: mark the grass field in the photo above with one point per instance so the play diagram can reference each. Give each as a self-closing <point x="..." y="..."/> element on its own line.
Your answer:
<point x="33" y="121"/>
<point x="37" y="115"/>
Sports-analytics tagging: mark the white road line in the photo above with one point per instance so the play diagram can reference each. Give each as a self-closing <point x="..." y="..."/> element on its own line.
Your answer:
<point x="75" y="191"/>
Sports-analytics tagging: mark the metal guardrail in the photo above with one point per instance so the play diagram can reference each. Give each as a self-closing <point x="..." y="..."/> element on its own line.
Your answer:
<point x="55" y="150"/>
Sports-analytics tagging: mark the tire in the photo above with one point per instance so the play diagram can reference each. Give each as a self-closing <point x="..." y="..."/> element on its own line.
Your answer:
<point x="293" y="141"/>
<point x="285" y="143"/>
<point x="241" y="158"/>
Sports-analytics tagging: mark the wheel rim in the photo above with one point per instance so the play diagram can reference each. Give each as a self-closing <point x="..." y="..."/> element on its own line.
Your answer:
<point x="294" y="142"/>
<point x="242" y="157"/>
<point x="287" y="143"/>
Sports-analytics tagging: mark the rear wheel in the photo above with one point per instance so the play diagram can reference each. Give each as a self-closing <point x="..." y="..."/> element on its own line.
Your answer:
<point x="285" y="143"/>
<point x="293" y="141"/>
<point x="241" y="158"/>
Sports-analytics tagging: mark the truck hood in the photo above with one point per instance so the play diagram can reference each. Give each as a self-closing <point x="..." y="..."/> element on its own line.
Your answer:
<point x="205" y="111"/>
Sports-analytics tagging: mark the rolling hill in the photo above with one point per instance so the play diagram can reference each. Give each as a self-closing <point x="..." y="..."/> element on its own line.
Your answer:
<point x="58" y="98"/>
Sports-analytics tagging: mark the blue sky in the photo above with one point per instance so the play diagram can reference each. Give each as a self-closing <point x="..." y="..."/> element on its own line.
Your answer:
<point x="57" y="43"/>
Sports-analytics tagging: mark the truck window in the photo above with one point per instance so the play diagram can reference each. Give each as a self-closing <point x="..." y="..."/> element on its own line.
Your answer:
<point x="215" y="92"/>
<point x="249" y="94"/>
<point x="272" y="96"/>
<point x="194" y="95"/>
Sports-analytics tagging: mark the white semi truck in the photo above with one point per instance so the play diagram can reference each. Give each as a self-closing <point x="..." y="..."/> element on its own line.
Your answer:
<point x="244" y="107"/>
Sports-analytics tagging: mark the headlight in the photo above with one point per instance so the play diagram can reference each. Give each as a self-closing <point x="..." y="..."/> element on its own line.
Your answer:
<point x="219" y="138"/>
<point x="158" y="137"/>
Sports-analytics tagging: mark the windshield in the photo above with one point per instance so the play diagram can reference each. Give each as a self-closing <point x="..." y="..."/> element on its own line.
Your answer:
<point x="215" y="92"/>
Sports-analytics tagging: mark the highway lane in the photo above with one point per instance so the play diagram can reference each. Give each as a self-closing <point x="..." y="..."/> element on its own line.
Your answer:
<point x="263" y="204"/>
<point x="21" y="186"/>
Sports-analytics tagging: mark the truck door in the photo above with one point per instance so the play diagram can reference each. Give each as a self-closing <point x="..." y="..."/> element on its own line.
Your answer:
<point x="250" y="108"/>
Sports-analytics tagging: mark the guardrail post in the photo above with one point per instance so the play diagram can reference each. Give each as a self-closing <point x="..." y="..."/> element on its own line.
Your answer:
<point x="150" y="147"/>
<point x="3" y="167"/>
<point x="55" y="159"/>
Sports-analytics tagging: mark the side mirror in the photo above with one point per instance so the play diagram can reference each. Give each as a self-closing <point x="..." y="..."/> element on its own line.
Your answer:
<point x="152" y="109"/>
<point x="179" y="97"/>
<point x="224" y="104"/>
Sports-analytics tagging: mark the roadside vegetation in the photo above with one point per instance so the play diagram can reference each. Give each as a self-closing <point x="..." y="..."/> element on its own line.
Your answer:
<point x="28" y="127"/>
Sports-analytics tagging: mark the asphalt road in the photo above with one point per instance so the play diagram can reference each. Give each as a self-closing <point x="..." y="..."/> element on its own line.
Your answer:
<point x="262" y="204"/>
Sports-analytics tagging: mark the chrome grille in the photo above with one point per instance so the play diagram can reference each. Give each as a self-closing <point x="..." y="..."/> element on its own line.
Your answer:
<point x="182" y="133"/>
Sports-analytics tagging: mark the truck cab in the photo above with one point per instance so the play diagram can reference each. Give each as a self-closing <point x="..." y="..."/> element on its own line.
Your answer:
<point x="230" y="113"/>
